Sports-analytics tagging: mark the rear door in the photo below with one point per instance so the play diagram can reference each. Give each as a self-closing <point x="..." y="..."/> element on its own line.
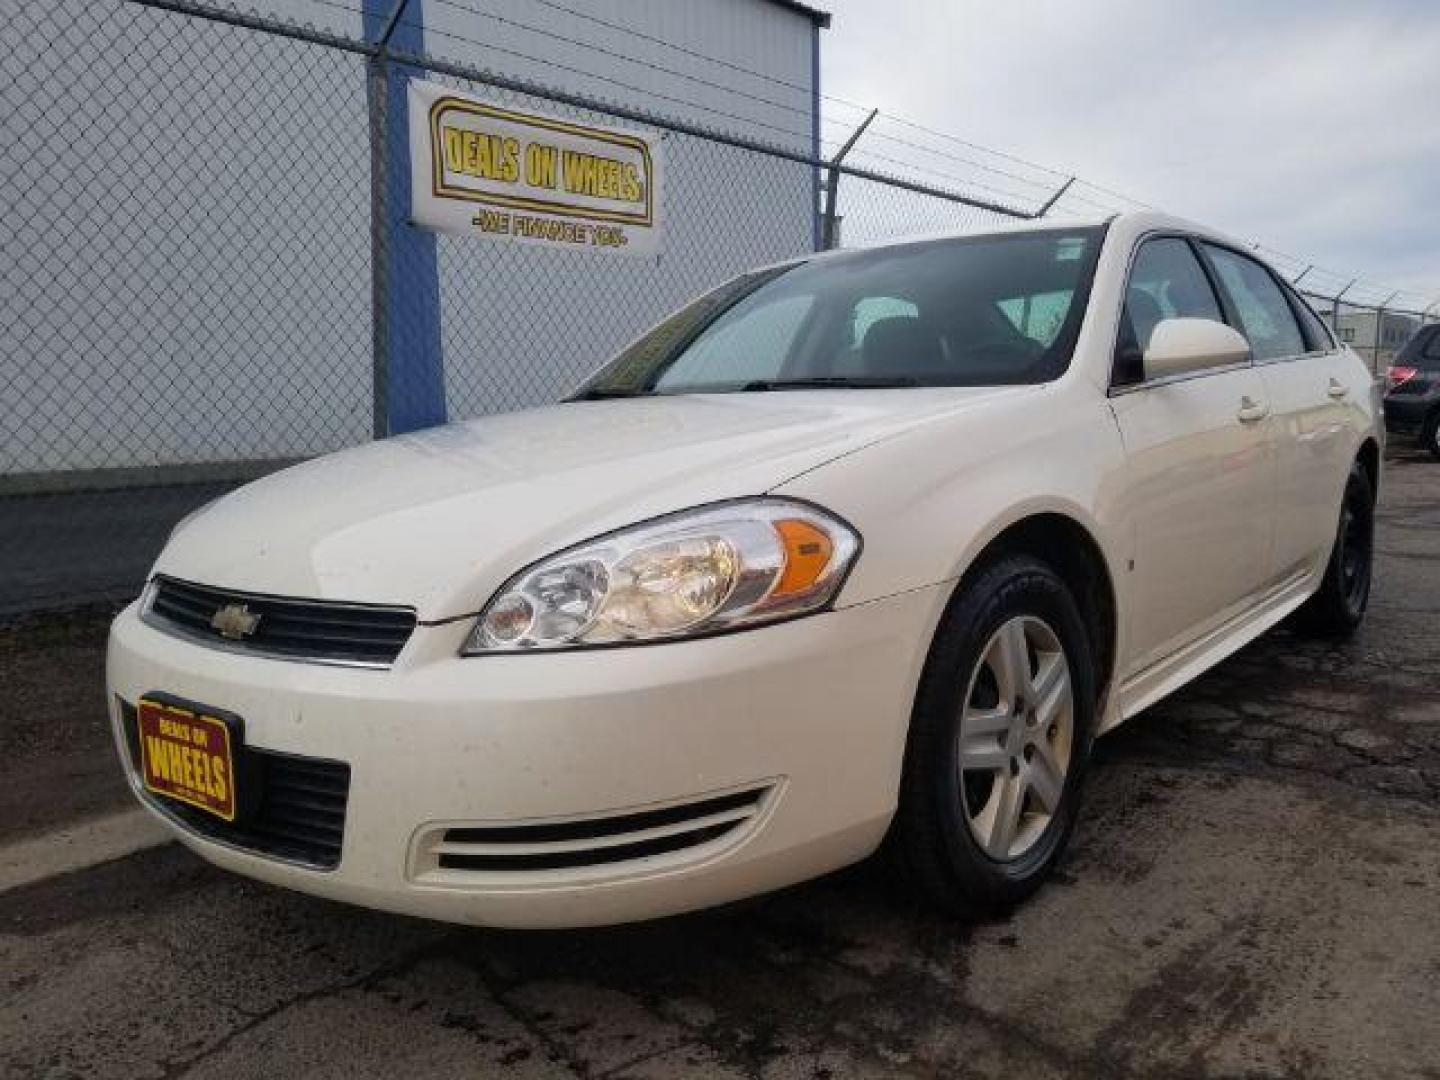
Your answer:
<point x="1199" y="480"/>
<point x="1310" y="385"/>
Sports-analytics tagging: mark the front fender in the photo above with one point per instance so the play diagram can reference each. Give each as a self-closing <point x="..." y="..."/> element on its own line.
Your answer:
<point x="929" y="502"/>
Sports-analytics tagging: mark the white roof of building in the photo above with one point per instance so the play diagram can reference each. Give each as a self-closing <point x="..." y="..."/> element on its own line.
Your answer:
<point x="820" y="18"/>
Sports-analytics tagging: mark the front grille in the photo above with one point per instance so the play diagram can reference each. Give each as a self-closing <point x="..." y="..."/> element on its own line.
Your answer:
<point x="598" y="841"/>
<point x="314" y="630"/>
<point x="295" y="806"/>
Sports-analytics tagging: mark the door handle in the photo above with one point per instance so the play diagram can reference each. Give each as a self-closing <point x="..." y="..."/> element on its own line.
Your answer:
<point x="1252" y="410"/>
<point x="1337" y="389"/>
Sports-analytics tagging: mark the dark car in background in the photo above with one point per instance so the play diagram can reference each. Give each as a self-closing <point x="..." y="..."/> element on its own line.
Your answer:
<point x="1412" y="394"/>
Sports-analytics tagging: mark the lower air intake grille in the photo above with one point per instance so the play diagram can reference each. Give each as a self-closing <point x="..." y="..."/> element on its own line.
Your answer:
<point x="298" y="809"/>
<point x="597" y="841"/>
<point x="315" y="630"/>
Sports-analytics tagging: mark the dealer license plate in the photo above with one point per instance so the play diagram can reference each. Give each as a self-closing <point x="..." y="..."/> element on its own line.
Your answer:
<point x="186" y="753"/>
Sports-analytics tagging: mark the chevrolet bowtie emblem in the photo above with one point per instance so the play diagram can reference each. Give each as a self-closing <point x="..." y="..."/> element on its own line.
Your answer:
<point x="234" y="621"/>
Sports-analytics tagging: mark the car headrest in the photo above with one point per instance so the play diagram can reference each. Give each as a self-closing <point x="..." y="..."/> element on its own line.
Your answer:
<point x="902" y="346"/>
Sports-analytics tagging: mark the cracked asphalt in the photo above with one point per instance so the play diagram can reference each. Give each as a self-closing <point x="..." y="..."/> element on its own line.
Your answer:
<point x="1252" y="892"/>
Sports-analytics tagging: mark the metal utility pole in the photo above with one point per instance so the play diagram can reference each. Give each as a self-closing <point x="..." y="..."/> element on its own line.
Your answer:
<point x="830" y="238"/>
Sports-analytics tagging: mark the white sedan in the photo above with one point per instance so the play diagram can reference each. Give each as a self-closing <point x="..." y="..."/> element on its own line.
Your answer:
<point x="864" y="548"/>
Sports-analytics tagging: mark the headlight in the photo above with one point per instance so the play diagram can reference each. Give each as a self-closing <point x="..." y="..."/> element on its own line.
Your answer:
<point x="698" y="572"/>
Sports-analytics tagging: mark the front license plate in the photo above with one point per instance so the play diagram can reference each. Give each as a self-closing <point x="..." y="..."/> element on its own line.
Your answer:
<point x="186" y="754"/>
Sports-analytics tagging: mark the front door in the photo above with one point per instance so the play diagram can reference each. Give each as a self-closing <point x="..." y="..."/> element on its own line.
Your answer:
<point x="1199" y="483"/>
<point x="1201" y="480"/>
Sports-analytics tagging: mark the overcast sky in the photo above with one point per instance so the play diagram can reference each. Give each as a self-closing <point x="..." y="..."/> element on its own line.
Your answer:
<point x="1312" y="126"/>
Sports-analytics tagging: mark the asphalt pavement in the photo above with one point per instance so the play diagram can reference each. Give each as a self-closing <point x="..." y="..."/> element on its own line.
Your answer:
<point x="67" y="548"/>
<point x="1252" y="892"/>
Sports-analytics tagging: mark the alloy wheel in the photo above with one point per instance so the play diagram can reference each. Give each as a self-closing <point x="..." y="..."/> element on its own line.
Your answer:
<point x="1015" y="738"/>
<point x="1355" y="540"/>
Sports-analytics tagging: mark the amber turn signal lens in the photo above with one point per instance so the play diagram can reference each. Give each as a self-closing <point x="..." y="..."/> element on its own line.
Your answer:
<point x="807" y="554"/>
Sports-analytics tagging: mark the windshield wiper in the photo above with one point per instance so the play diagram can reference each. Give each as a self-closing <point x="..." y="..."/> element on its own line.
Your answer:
<point x="604" y="394"/>
<point x="814" y="382"/>
<point x="832" y="382"/>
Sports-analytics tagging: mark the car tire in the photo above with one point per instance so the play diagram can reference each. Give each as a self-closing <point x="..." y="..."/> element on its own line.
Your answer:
<point x="1338" y="606"/>
<point x="1430" y="433"/>
<point x="986" y="741"/>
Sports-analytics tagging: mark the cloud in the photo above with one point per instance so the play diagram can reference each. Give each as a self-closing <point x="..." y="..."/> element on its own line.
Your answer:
<point x="1309" y="126"/>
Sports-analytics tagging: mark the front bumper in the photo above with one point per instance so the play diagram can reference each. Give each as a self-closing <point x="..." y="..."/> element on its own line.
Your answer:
<point x="811" y="715"/>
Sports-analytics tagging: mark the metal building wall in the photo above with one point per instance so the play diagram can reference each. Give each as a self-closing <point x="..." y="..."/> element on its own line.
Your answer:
<point x="185" y="220"/>
<point x="211" y="243"/>
<point x="521" y="326"/>
<point x="586" y="56"/>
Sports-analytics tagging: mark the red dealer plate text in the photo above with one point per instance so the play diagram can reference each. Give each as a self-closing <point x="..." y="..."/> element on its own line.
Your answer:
<point x="187" y="755"/>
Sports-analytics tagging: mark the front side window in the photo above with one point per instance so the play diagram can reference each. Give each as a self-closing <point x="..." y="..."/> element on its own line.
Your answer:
<point x="1265" y="316"/>
<point x="1166" y="282"/>
<point x="972" y="311"/>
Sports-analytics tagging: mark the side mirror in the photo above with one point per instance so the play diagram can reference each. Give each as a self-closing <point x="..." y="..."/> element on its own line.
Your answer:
<point x="1185" y="346"/>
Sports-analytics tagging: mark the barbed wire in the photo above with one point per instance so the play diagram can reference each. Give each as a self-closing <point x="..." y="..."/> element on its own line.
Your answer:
<point x="807" y="111"/>
<point x="1084" y="193"/>
<point x="631" y="31"/>
<point x="550" y="62"/>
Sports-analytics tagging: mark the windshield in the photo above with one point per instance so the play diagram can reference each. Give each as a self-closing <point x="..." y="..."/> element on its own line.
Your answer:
<point x="977" y="311"/>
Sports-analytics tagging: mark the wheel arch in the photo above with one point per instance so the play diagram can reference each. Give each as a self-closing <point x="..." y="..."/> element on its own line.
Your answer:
<point x="1070" y="548"/>
<point x="1369" y="458"/>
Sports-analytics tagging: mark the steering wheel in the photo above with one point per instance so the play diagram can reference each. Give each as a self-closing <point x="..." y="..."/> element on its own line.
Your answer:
<point x="1006" y="351"/>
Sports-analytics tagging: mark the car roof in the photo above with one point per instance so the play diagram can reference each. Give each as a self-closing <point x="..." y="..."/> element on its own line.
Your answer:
<point x="1130" y="225"/>
<point x="1135" y="223"/>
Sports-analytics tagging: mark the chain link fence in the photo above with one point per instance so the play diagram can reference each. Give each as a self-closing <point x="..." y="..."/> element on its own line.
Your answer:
<point x="195" y="290"/>
<point x="1373" y="320"/>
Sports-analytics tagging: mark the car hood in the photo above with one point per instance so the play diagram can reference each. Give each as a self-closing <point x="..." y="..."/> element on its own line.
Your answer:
<point x="439" y="520"/>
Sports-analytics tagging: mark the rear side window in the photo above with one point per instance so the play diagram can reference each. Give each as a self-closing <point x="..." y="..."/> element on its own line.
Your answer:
<point x="1166" y="282"/>
<point x="1265" y="316"/>
<point x="1422" y="350"/>
<point x="1430" y="358"/>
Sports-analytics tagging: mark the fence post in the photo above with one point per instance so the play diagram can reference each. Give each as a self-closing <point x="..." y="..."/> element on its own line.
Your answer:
<point x="1335" y="308"/>
<point x="817" y="212"/>
<point x="1380" y="327"/>
<point x="408" y="370"/>
<point x="832" y="182"/>
<point x="1050" y="202"/>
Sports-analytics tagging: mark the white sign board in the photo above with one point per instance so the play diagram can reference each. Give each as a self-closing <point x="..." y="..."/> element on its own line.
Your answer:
<point x="480" y="169"/>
